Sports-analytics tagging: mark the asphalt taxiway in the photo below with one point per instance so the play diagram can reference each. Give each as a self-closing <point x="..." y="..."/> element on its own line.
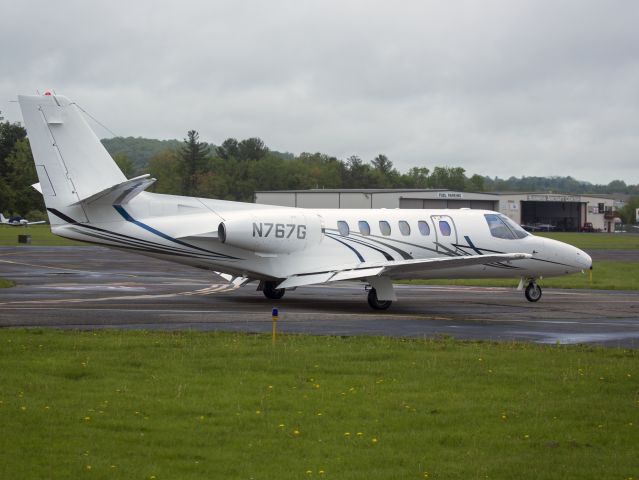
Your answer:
<point x="94" y="287"/>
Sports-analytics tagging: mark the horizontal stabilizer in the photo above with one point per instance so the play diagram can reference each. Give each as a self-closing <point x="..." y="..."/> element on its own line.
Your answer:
<point x="396" y="268"/>
<point x="119" y="194"/>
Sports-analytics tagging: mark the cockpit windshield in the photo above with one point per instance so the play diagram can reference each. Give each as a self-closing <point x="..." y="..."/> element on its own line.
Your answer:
<point x="503" y="227"/>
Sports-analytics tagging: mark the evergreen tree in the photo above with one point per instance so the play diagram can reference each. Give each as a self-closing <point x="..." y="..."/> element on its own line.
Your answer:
<point x="193" y="159"/>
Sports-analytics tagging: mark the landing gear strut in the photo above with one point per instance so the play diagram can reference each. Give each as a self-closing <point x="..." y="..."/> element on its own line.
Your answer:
<point x="375" y="303"/>
<point x="533" y="292"/>
<point x="271" y="292"/>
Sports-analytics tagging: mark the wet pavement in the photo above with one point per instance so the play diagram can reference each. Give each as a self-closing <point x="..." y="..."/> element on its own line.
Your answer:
<point x="94" y="287"/>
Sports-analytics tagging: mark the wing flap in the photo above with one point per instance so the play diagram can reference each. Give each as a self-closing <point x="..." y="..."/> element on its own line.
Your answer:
<point x="396" y="268"/>
<point x="300" y="280"/>
<point x="413" y="266"/>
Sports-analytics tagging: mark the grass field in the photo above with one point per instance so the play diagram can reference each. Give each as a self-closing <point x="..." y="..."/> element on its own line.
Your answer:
<point x="150" y="405"/>
<point x="40" y="236"/>
<point x="596" y="241"/>
<point x="607" y="275"/>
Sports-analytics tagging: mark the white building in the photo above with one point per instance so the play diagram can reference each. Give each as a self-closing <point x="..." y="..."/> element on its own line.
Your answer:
<point x="563" y="212"/>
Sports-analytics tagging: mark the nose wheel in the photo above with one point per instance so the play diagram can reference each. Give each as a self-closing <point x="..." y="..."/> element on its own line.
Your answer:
<point x="533" y="292"/>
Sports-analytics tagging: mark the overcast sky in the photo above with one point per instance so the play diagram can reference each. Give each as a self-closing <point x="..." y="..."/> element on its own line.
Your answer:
<point x="499" y="87"/>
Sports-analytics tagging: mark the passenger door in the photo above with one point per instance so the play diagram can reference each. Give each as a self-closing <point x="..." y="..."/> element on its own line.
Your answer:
<point x="445" y="234"/>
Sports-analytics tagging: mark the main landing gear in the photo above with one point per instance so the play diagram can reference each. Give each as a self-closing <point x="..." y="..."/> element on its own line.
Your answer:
<point x="533" y="292"/>
<point x="269" y="291"/>
<point x="375" y="303"/>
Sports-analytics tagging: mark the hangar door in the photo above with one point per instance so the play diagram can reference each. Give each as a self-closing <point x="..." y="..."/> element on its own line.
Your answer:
<point x="563" y="216"/>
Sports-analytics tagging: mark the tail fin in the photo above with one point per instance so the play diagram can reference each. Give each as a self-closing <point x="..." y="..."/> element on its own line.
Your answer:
<point x="3" y="219"/>
<point x="71" y="162"/>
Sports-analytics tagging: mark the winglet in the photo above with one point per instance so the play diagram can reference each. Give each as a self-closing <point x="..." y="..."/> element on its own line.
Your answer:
<point x="121" y="193"/>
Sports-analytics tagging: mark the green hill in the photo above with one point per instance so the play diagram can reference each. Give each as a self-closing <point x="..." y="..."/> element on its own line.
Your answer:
<point x="138" y="149"/>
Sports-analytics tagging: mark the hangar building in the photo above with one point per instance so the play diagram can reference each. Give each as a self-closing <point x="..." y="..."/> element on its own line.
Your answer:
<point x="561" y="212"/>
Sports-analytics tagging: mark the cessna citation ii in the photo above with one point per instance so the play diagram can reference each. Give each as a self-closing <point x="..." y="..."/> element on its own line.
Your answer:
<point x="89" y="199"/>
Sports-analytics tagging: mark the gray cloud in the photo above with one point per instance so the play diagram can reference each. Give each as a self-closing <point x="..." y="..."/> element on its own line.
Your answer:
<point x="498" y="87"/>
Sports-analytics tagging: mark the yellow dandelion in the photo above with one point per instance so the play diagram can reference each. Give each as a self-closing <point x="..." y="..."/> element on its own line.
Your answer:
<point x="526" y="436"/>
<point x="319" y="414"/>
<point x="503" y="416"/>
<point x="359" y="434"/>
<point x="270" y="387"/>
<point x="374" y="440"/>
<point x="317" y="385"/>
<point x="114" y="466"/>
<point x="347" y="434"/>
<point x="281" y="425"/>
<point x="88" y="467"/>
<point x="86" y="419"/>
<point x="309" y="472"/>
<point x="46" y="407"/>
<point x="321" y="472"/>
<point x="201" y="418"/>
<point x="23" y="408"/>
<point x="296" y="432"/>
<point x="257" y="412"/>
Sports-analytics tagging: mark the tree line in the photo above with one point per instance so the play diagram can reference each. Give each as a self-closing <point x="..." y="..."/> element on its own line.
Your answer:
<point x="236" y="169"/>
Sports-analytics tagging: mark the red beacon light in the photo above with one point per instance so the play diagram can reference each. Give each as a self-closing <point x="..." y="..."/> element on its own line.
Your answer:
<point x="47" y="93"/>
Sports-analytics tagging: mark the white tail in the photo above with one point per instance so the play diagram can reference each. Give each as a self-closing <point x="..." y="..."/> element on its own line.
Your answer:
<point x="71" y="162"/>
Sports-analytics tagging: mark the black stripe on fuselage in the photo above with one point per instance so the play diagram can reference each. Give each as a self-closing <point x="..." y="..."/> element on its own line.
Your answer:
<point x="150" y="246"/>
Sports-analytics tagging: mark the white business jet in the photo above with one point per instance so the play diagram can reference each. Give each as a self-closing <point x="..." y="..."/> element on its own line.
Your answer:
<point x="89" y="199"/>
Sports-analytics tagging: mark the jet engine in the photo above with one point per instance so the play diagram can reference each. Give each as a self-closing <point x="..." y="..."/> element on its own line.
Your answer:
<point x="271" y="232"/>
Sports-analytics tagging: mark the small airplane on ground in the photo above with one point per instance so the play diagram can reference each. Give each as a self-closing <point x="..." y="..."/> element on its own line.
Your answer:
<point x="17" y="221"/>
<point x="89" y="199"/>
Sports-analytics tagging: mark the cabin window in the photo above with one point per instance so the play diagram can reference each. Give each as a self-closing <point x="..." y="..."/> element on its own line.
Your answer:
<point x="404" y="227"/>
<point x="364" y="227"/>
<point x="384" y="227"/>
<point x="503" y="227"/>
<point x="444" y="227"/>
<point x="424" y="229"/>
<point x="342" y="226"/>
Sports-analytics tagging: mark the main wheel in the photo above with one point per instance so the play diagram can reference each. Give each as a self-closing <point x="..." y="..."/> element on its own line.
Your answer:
<point x="533" y="292"/>
<point x="376" y="303"/>
<point x="271" y="292"/>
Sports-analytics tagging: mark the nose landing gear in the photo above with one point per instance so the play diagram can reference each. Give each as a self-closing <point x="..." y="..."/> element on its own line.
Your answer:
<point x="533" y="292"/>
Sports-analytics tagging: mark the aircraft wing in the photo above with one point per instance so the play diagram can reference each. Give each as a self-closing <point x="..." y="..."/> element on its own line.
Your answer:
<point x="395" y="268"/>
<point x="36" y="223"/>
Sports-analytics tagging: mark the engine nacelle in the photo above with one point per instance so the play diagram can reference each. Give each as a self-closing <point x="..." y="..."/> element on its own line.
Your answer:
<point x="271" y="231"/>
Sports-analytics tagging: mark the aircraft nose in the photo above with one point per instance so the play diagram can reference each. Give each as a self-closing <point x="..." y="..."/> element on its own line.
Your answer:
<point x="584" y="261"/>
